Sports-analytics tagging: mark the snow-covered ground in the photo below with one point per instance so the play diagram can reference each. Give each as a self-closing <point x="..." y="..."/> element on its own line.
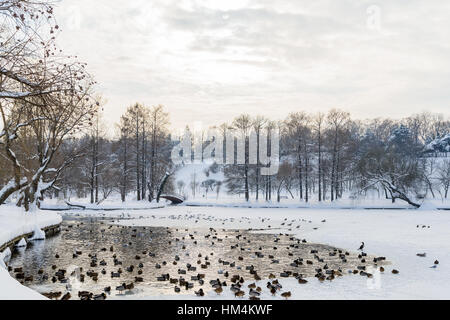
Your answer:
<point x="390" y="233"/>
<point x="338" y="204"/>
<point x="113" y="203"/>
<point x="13" y="223"/>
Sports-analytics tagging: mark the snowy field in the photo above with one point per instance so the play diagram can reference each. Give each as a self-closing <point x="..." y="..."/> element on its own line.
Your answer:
<point x="390" y="233"/>
<point x="109" y="204"/>
<point x="15" y="222"/>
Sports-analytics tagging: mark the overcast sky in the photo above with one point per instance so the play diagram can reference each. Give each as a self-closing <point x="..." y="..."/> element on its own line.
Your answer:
<point x="209" y="61"/>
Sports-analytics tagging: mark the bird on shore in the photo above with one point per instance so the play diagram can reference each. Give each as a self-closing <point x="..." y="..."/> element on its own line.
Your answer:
<point x="286" y="295"/>
<point x="362" y="246"/>
<point x="435" y="264"/>
<point x="121" y="288"/>
<point x="422" y="255"/>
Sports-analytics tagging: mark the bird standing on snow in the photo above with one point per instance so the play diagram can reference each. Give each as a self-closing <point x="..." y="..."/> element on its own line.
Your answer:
<point x="362" y="246"/>
<point x="435" y="264"/>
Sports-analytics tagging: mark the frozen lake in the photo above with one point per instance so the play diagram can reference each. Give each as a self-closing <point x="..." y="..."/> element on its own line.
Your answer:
<point x="397" y="235"/>
<point x="90" y="255"/>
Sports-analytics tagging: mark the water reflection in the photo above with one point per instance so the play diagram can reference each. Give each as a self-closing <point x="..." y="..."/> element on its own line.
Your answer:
<point x="91" y="255"/>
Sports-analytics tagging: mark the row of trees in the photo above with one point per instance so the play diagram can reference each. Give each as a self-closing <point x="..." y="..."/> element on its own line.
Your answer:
<point x="53" y="141"/>
<point x="136" y="160"/>
<point x="326" y="155"/>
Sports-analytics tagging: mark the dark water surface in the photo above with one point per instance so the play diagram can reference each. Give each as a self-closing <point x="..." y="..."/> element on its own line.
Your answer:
<point x="213" y="252"/>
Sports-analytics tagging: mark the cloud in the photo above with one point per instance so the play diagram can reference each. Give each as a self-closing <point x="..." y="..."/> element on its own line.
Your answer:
<point x="209" y="60"/>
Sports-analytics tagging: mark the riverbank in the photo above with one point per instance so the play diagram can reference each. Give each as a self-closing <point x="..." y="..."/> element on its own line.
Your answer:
<point x="109" y="205"/>
<point x="345" y="204"/>
<point x="15" y="223"/>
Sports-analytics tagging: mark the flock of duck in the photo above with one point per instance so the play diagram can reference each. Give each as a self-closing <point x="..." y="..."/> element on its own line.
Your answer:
<point x="238" y="259"/>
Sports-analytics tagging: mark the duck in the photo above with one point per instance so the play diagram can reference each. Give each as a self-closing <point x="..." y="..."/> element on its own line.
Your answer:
<point x="129" y="286"/>
<point x="199" y="293"/>
<point x="273" y="291"/>
<point x="422" y="255"/>
<point x="85" y="295"/>
<point x="121" y="288"/>
<point x="254" y="293"/>
<point x="286" y="295"/>
<point x="67" y="296"/>
<point x="52" y="295"/>
<point x="239" y="294"/>
<point x="101" y="296"/>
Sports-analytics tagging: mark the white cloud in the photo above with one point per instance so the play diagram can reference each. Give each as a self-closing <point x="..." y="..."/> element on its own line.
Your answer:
<point x="209" y="60"/>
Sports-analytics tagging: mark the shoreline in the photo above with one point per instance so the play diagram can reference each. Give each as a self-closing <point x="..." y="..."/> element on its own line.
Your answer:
<point x="16" y="225"/>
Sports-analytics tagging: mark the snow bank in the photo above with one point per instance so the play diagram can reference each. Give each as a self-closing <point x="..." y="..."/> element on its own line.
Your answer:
<point x="10" y="289"/>
<point x="15" y="222"/>
<point x="348" y="203"/>
<point x="22" y="243"/>
<point x="38" y="234"/>
<point x="428" y="205"/>
<point x="4" y="256"/>
<point x="110" y="204"/>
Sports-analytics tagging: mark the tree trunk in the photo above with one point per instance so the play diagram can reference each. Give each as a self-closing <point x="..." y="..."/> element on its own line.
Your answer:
<point x="138" y="169"/>
<point x="161" y="187"/>
<point x="320" y="165"/>
<point x="257" y="164"/>
<point x="306" y="178"/>
<point x="124" y="172"/>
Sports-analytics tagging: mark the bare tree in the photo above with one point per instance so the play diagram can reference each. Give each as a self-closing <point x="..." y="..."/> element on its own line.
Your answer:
<point x="337" y="120"/>
<point x="243" y="125"/>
